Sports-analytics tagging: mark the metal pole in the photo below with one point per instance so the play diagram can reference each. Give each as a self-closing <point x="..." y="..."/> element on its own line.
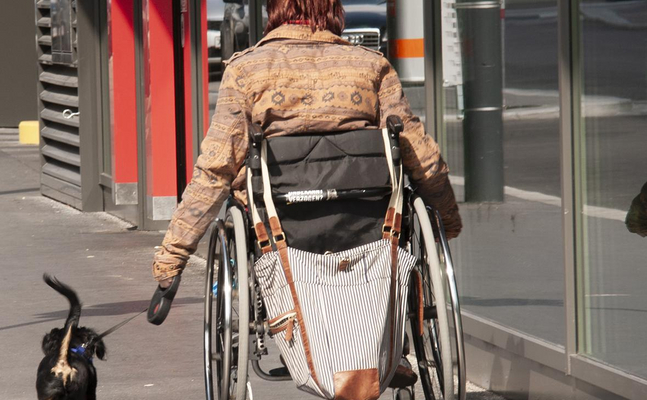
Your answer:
<point x="480" y="27"/>
<point x="255" y="21"/>
<point x="570" y="116"/>
<point x="434" y="90"/>
<point x="197" y="79"/>
<point x="179" y="10"/>
<point x="406" y="40"/>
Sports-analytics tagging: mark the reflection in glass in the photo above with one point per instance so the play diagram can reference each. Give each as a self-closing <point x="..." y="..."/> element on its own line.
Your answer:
<point x="613" y="271"/>
<point x="215" y="16"/>
<point x="62" y="35"/>
<point x="510" y="255"/>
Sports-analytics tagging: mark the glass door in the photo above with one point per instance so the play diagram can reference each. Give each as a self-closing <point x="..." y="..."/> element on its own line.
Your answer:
<point x="612" y="270"/>
<point x="510" y="255"/>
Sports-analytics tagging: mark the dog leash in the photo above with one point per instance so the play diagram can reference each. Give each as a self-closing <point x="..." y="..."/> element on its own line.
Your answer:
<point x="119" y="325"/>
<point x="122" y="323"/>
<point x="80" y="350"/>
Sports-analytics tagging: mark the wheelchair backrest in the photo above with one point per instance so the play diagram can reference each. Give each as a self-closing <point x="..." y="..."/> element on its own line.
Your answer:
<point x="297" y="286"/>
<point x="305" y="168"/>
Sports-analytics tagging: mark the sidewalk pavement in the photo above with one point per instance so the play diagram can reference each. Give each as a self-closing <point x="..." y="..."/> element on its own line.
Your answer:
<point x="108" y="264"/>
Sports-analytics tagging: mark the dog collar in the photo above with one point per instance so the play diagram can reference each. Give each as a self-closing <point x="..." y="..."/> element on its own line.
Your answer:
<point x="80" y="350"/>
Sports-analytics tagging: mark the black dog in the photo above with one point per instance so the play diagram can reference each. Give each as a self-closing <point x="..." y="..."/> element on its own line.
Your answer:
<point x="66" y="371"/>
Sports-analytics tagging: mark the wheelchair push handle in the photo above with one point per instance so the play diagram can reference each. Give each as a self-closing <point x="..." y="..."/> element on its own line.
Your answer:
<point x="395" y="125"/>
<point x="161" y="302"/>
<point x="256" y="134"/>
<point x="254" y="160"/>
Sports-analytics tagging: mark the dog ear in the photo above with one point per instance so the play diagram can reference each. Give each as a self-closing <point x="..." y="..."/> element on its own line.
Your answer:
<point x="50" y="341"/>
<point x="100" y="350"/>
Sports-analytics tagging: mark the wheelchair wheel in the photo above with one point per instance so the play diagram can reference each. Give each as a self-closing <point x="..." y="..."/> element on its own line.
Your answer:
<point x="448" y="264"/>
<point x="433" y="348"/>
<point x="403" y="394"/>
<point x="226" y="320"/>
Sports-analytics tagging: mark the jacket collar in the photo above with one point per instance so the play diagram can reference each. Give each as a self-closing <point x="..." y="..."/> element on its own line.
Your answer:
<point x="302" y="32"/>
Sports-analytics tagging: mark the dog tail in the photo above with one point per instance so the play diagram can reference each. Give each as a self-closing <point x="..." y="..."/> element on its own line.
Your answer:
<point x="75" y="305"/>
<point x="62" y="367"/>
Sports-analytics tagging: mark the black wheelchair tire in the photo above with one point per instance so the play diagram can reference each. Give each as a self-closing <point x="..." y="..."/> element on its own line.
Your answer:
<point x="226" y="360"/>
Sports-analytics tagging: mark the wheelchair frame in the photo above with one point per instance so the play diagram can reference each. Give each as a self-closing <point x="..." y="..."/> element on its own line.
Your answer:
<point x="237" y="337"/>
<point x="439" y="354"/>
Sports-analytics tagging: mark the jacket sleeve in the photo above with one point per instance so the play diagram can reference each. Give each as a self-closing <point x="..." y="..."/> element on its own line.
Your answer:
<point x="223" y="152"/>
<point x="420" y="153"/>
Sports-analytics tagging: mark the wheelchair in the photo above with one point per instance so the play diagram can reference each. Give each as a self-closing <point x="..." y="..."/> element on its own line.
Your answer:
<point x="236" y="326"/>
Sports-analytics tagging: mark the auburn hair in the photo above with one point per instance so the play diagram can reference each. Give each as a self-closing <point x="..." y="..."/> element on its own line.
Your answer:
<point x="318" y="14"/>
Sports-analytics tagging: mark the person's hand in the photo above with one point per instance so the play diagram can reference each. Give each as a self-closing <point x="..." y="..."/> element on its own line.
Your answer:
<point x="165" y="283"/>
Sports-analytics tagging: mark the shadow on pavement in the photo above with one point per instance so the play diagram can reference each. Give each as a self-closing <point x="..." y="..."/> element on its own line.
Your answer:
<point x="27" y="190"/>
<point x="102" y="310"/>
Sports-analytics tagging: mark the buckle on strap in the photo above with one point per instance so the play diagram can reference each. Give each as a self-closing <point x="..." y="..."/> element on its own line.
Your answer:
<point x="390" y="231"/>
<point x="279" y="238"/>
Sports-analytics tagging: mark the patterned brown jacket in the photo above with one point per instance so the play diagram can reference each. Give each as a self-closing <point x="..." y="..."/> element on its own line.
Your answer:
<point x="295" y="81"/>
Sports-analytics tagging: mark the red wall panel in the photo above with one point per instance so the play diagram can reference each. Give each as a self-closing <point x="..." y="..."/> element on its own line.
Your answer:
<point x="122" y="92"/>
<point x="160" y="99"/>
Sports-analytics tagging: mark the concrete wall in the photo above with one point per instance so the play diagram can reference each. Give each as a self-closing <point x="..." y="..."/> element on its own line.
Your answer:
<point x="18" y="76"/>
<point x="518" y="378"/>
<point x="521" y="367"/>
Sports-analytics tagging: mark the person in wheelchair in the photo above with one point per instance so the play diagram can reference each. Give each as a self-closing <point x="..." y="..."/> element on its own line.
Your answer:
<point x="302" y="77"/>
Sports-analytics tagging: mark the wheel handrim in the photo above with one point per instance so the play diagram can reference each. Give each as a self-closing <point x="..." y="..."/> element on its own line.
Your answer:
<point x="438" y="383"/>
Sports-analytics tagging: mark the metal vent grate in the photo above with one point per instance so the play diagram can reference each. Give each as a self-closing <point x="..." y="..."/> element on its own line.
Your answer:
<point x="59" y="106"/>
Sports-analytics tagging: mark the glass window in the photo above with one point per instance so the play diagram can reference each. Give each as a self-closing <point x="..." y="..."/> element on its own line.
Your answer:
<point x="214" y="43"/>
<point x="613" y="149"/>
<point x="510" y="256"/>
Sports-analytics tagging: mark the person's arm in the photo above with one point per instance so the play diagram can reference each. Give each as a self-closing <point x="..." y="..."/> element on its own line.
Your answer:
<point x="420" y="153"/>
<point x="223" y="152"/>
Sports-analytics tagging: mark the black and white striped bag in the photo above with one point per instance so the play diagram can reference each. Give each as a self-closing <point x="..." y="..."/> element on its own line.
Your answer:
<point x="337" y="318"/>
